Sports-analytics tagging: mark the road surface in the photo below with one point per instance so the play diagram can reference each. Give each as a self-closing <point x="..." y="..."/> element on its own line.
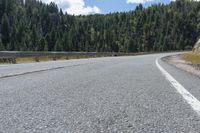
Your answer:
<point x="112" y="94"/>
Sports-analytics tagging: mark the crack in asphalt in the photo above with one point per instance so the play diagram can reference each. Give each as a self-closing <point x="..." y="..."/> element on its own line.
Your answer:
<point x="42" y="70"/>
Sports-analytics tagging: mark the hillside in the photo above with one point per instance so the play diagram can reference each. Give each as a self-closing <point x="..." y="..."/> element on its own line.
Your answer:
<point x="35" y="26"/>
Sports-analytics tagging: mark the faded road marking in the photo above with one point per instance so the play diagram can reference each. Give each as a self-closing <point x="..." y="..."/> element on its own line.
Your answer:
<point x="194" y="103"/>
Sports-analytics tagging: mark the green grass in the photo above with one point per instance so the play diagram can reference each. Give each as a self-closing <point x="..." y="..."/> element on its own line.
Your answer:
<point x="192" y="57"/>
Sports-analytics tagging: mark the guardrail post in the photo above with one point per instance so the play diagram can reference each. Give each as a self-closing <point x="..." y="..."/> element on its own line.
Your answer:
<point x="37" y="59"/>
<point x="54" y="58"/>
<point x="13" y="61"/>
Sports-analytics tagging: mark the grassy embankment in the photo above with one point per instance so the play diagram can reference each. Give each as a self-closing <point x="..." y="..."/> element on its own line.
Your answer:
<point x="43" y="59"/>
<point x="54" y="58"/>
<point x="194" y="58"/>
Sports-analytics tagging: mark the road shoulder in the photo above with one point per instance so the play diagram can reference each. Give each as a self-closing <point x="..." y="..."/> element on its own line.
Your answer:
<point x="179" y="62"/>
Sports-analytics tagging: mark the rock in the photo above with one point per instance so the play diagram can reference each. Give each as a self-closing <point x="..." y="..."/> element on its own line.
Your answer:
<point x="196" y="48"/>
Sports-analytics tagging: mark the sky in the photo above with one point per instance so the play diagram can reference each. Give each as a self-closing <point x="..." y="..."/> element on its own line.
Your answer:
<point x="85" y="7"/>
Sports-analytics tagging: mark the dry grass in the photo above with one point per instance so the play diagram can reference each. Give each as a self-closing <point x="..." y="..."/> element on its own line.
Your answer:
<point x="44" y="59"/>
<point x="25" y="60"/>
<point x="39" y="59"/>
<point x="49" y="58"/>
<point x="192" y="57"/>
<point x="54" y="58"/>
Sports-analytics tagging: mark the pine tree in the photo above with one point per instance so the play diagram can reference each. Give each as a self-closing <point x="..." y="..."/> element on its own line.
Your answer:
<point x="13" y="39"/>
<point x="5" y="30"/>
<point x="34" y="25"/>
<point x="58" y="46"/>
<point x="198" y="23"/>
<point x="1" y="45"/>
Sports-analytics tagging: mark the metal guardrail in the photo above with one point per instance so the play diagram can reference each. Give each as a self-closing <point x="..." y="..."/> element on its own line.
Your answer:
<point x="6" y="54"/>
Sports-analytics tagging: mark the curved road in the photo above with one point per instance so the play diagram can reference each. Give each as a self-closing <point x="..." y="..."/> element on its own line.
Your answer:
<point x="113" y="94"/>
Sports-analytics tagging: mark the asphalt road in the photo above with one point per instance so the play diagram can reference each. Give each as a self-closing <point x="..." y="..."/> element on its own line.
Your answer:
<point x="111" y="95"/>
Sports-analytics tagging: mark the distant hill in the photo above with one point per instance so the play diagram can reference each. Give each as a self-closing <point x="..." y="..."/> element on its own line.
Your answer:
<point x="31" y="25"/>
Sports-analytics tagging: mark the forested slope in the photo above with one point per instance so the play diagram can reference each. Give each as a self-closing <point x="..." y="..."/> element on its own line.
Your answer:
<point x="35" y="26"/>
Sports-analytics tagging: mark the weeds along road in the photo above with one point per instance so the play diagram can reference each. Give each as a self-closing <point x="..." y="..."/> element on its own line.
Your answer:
<point x="112" y="94"/>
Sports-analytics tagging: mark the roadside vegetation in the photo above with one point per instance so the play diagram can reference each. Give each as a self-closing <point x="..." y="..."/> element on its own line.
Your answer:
<point x="19" y="60"/>
<point x="34" y="26"/>
<point x="27" y="59"/>
<point x="192" y="57"/>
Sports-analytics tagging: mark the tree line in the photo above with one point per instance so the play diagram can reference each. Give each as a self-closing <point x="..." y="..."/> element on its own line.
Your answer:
<point x="34" y="26"/>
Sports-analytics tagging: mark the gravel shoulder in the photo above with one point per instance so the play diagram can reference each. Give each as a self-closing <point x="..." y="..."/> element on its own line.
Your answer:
<point x="179" y="62"/>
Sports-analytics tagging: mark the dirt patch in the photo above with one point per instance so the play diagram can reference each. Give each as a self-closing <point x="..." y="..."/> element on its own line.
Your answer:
<point x="179" y="62"/>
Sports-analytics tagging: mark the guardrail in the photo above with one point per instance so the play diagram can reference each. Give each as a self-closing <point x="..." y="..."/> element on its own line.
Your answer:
<point x="10" y="57"/>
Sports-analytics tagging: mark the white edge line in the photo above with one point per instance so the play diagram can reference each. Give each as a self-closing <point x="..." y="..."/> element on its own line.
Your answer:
<point x="190" y="99"/>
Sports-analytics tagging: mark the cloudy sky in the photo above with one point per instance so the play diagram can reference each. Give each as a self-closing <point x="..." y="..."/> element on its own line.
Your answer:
<point x="85" y="7"/>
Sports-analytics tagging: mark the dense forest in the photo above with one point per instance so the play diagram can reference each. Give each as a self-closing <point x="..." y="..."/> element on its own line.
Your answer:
<point x="35" y="26"/>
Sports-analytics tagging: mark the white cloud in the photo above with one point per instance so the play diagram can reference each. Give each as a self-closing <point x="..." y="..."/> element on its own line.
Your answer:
<point x="75" y="7"/>
<point x="144" y="1"/>
<point x="194" y="0"/>
<point x="191" y="0"/>
<point x="138" y="1"/>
